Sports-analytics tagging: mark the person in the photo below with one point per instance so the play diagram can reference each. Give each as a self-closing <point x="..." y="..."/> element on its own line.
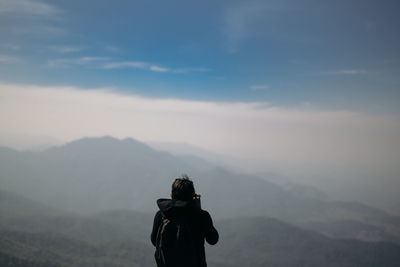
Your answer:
<point x="196" y="226"/>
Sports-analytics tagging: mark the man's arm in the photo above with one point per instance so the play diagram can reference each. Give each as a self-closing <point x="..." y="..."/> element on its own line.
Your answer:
<point x="211" y="234"/>
<point x="156" y="224"/>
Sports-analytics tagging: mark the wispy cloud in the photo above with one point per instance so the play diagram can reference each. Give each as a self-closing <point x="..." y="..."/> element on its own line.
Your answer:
<point x="110" y="63"/>
<point x="91" y="59"/>
<point x="41" y="29"/>
<point x="28" y="7"/>
<point x="239" y="20"/>
<point x="126" y="64"/>
<point x="344" y="72"/>
<point x="259" y="87"/>
<point x="151" y="67"/>
<point x="186" y="70"/>
<point x="158" y="69"/>
<point x="104" y="63"/>
<point x="65" y="62"/>
<point x="66" y="48"/>
<point x="9" y="59"/>
<point x="33" y="17"/>
<point x="135" y="65"/>
<point x="11" y="46"/>
<point x="112" y="48"/>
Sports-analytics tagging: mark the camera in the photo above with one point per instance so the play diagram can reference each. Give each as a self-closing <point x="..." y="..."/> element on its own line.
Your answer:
<point x="196" y="199"/>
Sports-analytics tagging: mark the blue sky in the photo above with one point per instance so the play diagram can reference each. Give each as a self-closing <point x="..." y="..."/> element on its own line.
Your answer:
<point x="327" y="54"/>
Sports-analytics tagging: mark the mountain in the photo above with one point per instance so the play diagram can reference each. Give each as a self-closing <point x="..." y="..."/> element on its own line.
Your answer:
<point x="352" y="229"/>
<point x="59" y="238"/>
<point x="7" y="260"/>
<point x="260" y="241"/>
<point x="61" y="250"/>
<point x="121" y="238"/>
<point x="96" y="174"/>
<point x="111" y="224"/>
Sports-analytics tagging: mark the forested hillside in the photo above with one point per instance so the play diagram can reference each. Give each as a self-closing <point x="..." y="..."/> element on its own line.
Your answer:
<point x="121" y="238"/>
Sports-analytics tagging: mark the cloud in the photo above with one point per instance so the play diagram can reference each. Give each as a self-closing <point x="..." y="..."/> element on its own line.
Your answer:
<point x="112" y="48"/>
<point x="91" y="59"/>
<point x="345" y="72"/>
<point x="65" y="48"/>
<point x="158" y="69"/>
<point x="27" y="7"/>
<point x="9" y="59"/>
<point x="41" y="29"/>
<point x="11" y="46"/>
<point x="134" y="64"/>
<point x="186" y="70"/>
<point x="240" y="20"/>
<point x="111" y="63"/>
<point x="148" y="66"/>
<point x="33" y="17"/>
<point x="259" y="87"/>
<point x="66" y="62"/>
<point x="125" y="64"/>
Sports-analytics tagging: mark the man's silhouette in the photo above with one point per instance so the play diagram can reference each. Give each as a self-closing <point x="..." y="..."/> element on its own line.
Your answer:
<point x="180" y="228"/>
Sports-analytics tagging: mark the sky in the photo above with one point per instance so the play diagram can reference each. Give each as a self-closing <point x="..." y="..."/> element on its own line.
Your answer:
<point x="329" y="54"/>
<point x="307" y="88"/>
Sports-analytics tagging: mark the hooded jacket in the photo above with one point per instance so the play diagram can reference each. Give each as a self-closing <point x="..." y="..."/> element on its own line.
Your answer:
<point x="200" y="222"/>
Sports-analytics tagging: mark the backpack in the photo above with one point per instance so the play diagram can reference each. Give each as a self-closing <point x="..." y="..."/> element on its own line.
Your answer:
<point x="174" y="243"/>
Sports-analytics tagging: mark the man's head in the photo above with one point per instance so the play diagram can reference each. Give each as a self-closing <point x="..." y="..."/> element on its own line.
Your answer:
<point x="182" y="188"/>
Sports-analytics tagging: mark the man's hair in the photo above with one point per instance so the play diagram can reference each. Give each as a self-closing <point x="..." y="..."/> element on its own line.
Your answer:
<point x="182" y="188"/>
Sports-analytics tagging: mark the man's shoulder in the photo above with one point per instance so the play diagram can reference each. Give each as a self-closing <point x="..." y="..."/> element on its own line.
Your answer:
<point x="204" y="215"/>
<point x="158" y="217"/>
<point x="204" y="212"/>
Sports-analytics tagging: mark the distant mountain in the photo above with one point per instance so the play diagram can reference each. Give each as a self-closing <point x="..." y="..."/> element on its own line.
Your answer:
<point x="192" y="153"/>
<point x="12" y="205"/>
<point x="106" y="225"/>
<point x="352" y="229"/>
<point x="258" y="241"/>
<point x="96" y="174"/>
<point x="121" y="238"/>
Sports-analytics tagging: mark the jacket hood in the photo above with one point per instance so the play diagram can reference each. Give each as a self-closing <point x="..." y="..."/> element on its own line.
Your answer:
<point x="172" y="207"/>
